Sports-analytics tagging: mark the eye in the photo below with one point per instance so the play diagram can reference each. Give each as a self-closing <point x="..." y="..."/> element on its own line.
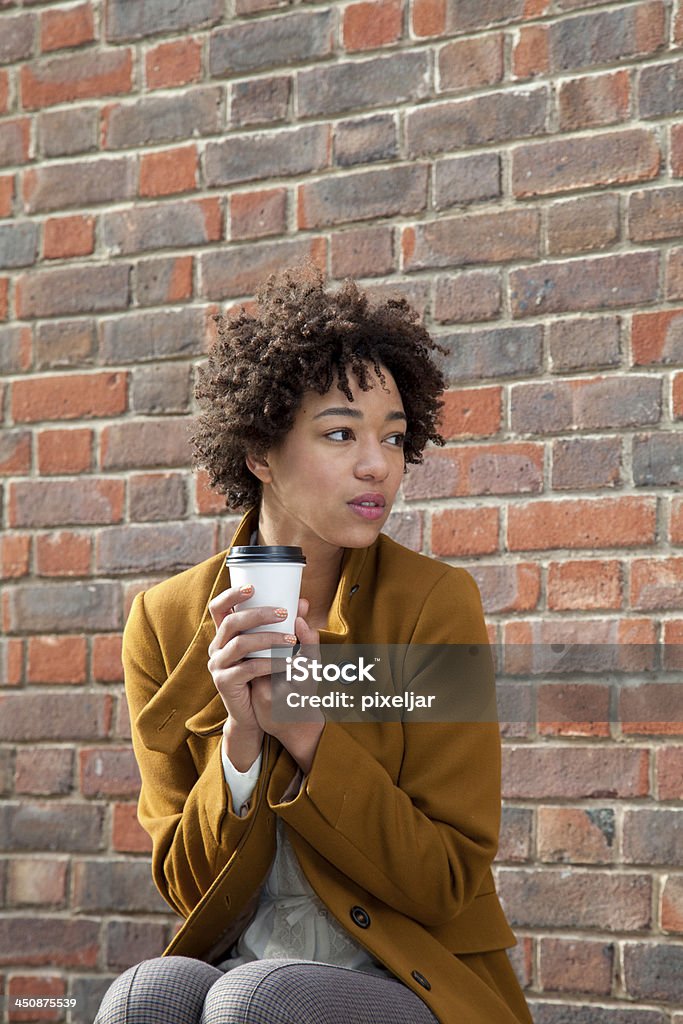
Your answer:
<point x="341" y="430"/>
<point x="399" y="440"/>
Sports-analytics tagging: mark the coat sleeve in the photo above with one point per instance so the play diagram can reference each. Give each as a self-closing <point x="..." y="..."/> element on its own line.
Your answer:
<point x="423" y="845"/>
<point x="189" y="816"/>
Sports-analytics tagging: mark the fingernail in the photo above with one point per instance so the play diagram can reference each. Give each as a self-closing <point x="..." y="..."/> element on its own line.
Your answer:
<point x="246" y="589"/>
<point x="281" y="613"/>
<point x="290" y="639"/>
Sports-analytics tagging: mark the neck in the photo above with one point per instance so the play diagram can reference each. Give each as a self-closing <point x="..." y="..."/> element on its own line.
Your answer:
<point x="323" y="561"/>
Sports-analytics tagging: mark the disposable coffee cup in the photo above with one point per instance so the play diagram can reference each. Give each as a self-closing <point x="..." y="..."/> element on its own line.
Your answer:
<point x="275" y="571"/>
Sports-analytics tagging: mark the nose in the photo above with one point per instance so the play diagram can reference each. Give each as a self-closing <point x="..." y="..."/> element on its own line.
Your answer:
<point x="372" y="462"/>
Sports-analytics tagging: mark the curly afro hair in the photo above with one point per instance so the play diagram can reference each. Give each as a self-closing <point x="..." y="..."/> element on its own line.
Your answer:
<point x="300" y="338"/>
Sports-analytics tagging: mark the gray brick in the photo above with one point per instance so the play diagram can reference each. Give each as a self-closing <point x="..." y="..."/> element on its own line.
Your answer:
<point x="259" y="101"/>
<point x="89" y="289"/>
<point x="16" y="37"/>
<point x="65" y="827"/>
<point x="65" y="132"/>
<point x="157" y="497"/>
<point x="139" y="337"/>
<point x="58" y="186"/>
<point x="365" y="140"/>
<point x="252" y="46"/>
<point x="159" y="547"/>
<point x="15" y="356"/>
<point x="250" y="157"/>
<point x="653" y="972"/>
<point x="439" y="127"/>
<point x="130" y="19"/>
<point x="18" y="244"/>
<point x="584" y="899"/>
<point x="594" y="404"/>
<point x="162" y="389"/>
<point x="75" y="716"/>
<point x="603" y="38"/>
<point x="500" y="352"/>
<point x="365" y="195"/>
<point x="381" y="81"/>
<point x="582" y="462"/>
<point x="157" y="226"/>
<point x="146" y="443"/>
<point x="63" y="343"/>
<point x="48" y="607"/>
<point x="49" y="942"/>
<point x="240" y="269"/>
<point x="565" y="1013"/>
<point x="164" y="118"/>
<point x="120" y="886"/>
<point x="658" y="460"/>
<point x="466" y="179"/>
<point x="467" y="15"/>
<point x="473" y="238"/>
<point x="584" y="343"/>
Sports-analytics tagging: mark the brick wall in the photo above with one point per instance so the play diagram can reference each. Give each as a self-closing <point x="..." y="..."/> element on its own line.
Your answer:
<point x="512" y="166"/>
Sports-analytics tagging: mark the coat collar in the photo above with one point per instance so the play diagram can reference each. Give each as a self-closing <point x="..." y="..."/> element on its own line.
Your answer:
<point x="187" y="702"/>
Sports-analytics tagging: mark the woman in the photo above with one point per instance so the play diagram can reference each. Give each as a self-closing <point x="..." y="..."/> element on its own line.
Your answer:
<point x="327" y="871"/>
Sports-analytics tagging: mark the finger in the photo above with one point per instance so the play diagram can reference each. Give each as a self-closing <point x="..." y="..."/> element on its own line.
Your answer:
<point x="240" y="621"/>
<point x="223" y="603"/>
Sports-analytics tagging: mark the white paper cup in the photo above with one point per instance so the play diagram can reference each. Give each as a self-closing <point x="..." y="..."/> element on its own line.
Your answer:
<point x="274" y="571"/>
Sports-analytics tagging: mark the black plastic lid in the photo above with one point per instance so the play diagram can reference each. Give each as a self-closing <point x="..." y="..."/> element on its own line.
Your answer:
<point x="243" y="553"/>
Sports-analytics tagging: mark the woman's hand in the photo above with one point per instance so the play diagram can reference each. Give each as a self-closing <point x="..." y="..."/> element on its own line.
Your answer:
<point x="231" y="668"/>
<point x="299" y="738"/>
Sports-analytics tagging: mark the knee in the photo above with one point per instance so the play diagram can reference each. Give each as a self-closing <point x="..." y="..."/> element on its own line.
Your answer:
<point x="145" y="993"/>
<point x="260" y="992"/>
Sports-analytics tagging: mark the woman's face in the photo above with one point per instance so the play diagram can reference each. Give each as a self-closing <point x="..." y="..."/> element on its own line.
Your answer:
<point x="337" y="455"/>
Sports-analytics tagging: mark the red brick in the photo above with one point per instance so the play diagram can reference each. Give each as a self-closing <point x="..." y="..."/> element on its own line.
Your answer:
<point x="573" y="709"/>
<point x="15" y="452"/>
<point x="68" y="27"/>
<point x="580" y="225"/>
<point x="582" y="584"/>
<point x="468" y="297"/>
<point x="562" y="771"/>
<point x="29" y="987"/>
<point x="596" y="100"/>
<point x="472" y="238"/>
<point x="56" y="659"/>
<point x="70" y="396"/>
<point x="602" y="282"/>
<point x="88" y="74"/>
<point x="605" y="522"/>
<point x="128" y="836"/>
<point x="45" y="771"/>
<point x="471" y="63"/>
<point x="68" y="236"/>
<point x="669" y="772"/>
<point x="6" y="195"/>
<point x="676" y="521"/>
<point x="676" y="151"/>
<point x="465" y="532"/>
<point x="207" y="501"/>
<point x="106" y="659"/>
<point x="369" y="25"/>
<point x="165" y="173"/>
<point x="160" y="281"/>
<point x="175" y="63"/>
<point x="35" y="881"/>
<point x="108" y="772"/>
<point x="4" y="297"/>
<point x="428" y="17"/>
<point x="677" y="396"/>
<point x="530" y="55"/>
<point x="65" y="451"/>
<point x="657" y="337"/>
<point x="363" y="252"/>
<point x="15" y="140"/>
<point x="63" y="553"/>
<point x="256" y="214"/>
<point x="577" y="835"/>
<point x="656" y="583"/>
<point x="86" y="500"/>
<point x="15" y="550"/>
<point x="650" y="709"/>
<point x="624" y="157"/>
<point x="477" y="469"/>
<point x="4" y="92"/>
<point x="672" y="904"/>
<point x="576" y="965"/>
<point x="472" y="412"/>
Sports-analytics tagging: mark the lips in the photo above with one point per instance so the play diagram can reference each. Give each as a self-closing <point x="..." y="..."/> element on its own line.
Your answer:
<point x="369" y="500"/>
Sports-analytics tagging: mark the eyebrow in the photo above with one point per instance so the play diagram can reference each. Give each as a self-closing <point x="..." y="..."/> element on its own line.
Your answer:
<point x="344" y="410"/>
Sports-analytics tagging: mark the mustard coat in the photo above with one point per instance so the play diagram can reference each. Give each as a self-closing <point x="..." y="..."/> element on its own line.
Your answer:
<point x="396" y="824"/>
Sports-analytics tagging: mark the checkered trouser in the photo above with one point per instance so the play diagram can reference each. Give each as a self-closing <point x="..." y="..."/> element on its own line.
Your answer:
<point x="181" y="990"/>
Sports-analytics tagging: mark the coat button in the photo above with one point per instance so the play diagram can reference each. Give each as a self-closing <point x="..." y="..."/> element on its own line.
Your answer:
<point x="354" y="588"/>
<point x="420" y="979"/>
<point x="360" y="917"/>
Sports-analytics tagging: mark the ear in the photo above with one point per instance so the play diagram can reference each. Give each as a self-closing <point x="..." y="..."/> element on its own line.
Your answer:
<point x="258" y="465"/>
